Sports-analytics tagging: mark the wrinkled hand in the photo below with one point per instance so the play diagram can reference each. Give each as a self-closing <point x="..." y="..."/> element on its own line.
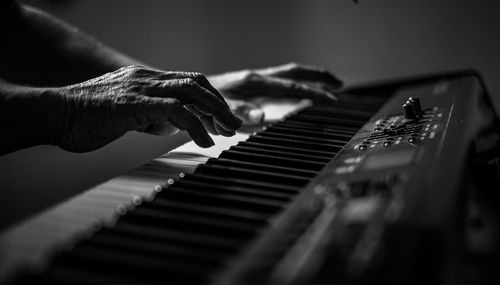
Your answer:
<point x="102" y="109"/>
<point x="285" y="81"/>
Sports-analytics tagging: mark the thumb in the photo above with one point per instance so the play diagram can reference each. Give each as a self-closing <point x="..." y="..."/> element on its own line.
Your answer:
<point x="159" y="129"/>
<point x="251" y="114"/>
<point x="152" y="111"/>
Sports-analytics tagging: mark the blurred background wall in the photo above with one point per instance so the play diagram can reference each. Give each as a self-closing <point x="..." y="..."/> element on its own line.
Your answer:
<point x="373" y="40"/>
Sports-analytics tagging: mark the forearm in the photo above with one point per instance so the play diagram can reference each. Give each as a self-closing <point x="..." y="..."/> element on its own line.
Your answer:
<point x="30" y="116"/>
<point x="41" y="50"/>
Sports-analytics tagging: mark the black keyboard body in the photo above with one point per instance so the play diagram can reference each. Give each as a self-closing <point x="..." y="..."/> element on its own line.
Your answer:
<point x="362" y="191"/>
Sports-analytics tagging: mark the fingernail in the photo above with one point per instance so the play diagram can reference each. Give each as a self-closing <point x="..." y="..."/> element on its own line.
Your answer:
<point x="227" y="134"/>
<point x="331" y="96"/>
<point x="255" y="116"/>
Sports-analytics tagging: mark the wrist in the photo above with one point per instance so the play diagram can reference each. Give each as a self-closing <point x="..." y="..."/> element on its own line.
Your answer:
<point x="30" y="116"/>
<point x="52" y="115"/>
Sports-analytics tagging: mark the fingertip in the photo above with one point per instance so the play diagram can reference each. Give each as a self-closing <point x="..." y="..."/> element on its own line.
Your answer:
<point x="331" y="96"/>
<point x="231" y="123"/>
<point x="249" y="113"/>
<point x="255" y="116"/>
<point x="335" y="82"/>
<point x="204" y="142"/>
<point x="223" y="131"/>
<point x="210" y="142"/>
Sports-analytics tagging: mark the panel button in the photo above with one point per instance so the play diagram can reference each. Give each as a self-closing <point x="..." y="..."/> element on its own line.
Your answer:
<point x="409" y="110"/>
<point x="416" y="104"/>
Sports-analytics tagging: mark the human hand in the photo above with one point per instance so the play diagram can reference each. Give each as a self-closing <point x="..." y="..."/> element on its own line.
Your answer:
<point x="102" y="109"/>
<point x="285" y="81"/>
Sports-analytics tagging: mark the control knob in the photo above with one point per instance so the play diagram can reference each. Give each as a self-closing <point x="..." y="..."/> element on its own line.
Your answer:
<point x="412" y="109"/>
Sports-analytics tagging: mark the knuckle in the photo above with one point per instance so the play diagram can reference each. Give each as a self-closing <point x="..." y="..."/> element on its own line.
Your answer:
<point x="297" y="86"/>
<point x="131" y="83"/>
<point x="197" y="76"/>
<point x="126" y="69"/>
<point x="138" y="71"/>
<point x="141" y="87"/>
<point x="323" y="71"/>
<point x="189" y="82"/>
<point x="293" y="65"/>
<point x="251" y="76"/>
<point x="136" y="88"/>
<point x="174" y="104"/>
<point x="125" y="100"/>
<point x="156" y="84"/>
<point x="134" y="68"/>
<point x="166" y="75"/>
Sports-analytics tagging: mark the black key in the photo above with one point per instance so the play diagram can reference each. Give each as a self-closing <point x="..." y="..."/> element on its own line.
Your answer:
<point x="283" y="154"/>
<point x="320" y="155"/>
<point x="318" y="127"/>
<point x="309" y="133"/>
<point x="304" y="138"/>
<point x="165" y="234"/>
<point x="328" y="120"/>
<point x="242" y="185"/>
<point x="206" y="211"/>
<point x="253" y="174"/>
<point x="190" y="223"/>
<point x="197" y="196"/>
<point x="295" y="144"/>
<point x="272" y="160"/>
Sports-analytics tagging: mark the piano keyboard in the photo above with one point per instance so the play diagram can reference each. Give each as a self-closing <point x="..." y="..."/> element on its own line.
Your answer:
<point x="173" y="220"/>
<point x="239" y="217"/>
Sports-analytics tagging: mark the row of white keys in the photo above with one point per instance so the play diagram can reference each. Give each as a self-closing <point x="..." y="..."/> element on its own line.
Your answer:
<point x="33" y="242"/>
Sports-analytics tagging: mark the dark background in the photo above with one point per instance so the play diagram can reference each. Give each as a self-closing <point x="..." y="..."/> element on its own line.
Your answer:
<point x="376" y="39"/>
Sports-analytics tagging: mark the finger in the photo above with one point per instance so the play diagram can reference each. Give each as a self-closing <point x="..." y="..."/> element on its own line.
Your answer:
<point x="203" y="81"/>
<point x="304" y="73"/>
<point x="188" y="91"/>
<point x="248" y="112"/>
<point x="285" y="88"/>
<point x="320" y="86"/>
<point x="207" y="121"/>
<point x="209" y="124"/>
<point x="161" y="129"/>
<point x="213" y="127"/>
<point x="223" y="131"/>
<point x="164" y="110"/>
<point x="185" y="120"/>
<point x="198" y="77"/>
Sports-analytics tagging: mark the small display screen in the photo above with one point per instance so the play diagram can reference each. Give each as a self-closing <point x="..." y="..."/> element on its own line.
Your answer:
<point x="389" y="159"/>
